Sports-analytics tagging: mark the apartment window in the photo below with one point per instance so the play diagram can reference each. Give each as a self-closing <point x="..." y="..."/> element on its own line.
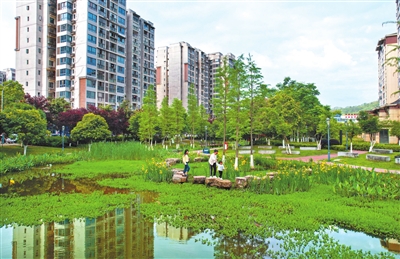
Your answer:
<point x="38" y="83"/>
<point x="39" y="61"/>
<point x="121" y="30"/>
<point x="27" y="29"/>
<point x="121" y="60"/>
<point x="26" y="83"/>
<point x="27" y="62"/>
<point x="92" y="6"/>
<point x="90" y="94"/>
<point x="92" y="17"/>
<point x="40" y="39"/>
<point x="121" y="20"/>
<point x="39" y="50"/>
<point x="91" y="39"/>
<point x="92" y="28"/>
<point x="90" y="72"/>
<point x="120" y="79"/>
<point x="91" y="50"/>
<point x="27" y="40"/>
<point x="52" y="21"/>
<point x="40" y="28"/>
<point x="27" y="18"/>
<point x="121" y="69"/>
<point x="123" y="2"/>
<point x="27" y="72"/>
<point x="65" y="16"/>
<point x="65" y="72"/>
<point x="27" y="7"/>
<point x="91" y="61"/>
<point x="27" y="51"/>
<point x="121" y="11"/>
<point x="40" y="7"/>
<point x="65" y="27"/>
<point x="63" y="61"/>
<point x="38" y="72"/>
<point x="65" y="38"/>
<point x="65" y="49"/>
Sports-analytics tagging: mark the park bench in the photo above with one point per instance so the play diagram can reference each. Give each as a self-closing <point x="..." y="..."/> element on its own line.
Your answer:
<point x="292" y="152"/>
<point x="244" y="147"/>
<point x="382" y="151"/>
<point x="378" y="157"/>
<point x="347" y="154"/>
<point x="308" y="148"/>
<point x="264" y="147"/>
<point x="283" y="147"/>
<point x="245" y="152"/>
<point x="266" y="152"/>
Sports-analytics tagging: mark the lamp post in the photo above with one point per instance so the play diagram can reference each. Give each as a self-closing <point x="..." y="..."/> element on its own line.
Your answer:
<point x="205" y="127"/>
<point x="329" y="141"/>
<point x="2" y="99"/>
<point x="62" y="136"/>
<point x="346" y="123"/>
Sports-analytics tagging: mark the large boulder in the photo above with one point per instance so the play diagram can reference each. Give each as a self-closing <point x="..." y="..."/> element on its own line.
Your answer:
<point x="210" y="181"/>
<point x="224" y="184"/>
<point x="241" y="182"/>
<point x="172" y="161"/>
<point x="199" y="179"/>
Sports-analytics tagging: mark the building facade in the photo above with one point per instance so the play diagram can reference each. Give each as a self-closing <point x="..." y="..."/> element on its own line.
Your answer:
<point x="179" y="65"/>
<point x="77" y="50"/>
<point x="140" y="65"/>
<point x="388" y="80"/>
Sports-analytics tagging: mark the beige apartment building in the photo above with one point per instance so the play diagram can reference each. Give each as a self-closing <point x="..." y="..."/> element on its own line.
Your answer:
<point x="179" y="65"/>
<point x="388" y="79"/>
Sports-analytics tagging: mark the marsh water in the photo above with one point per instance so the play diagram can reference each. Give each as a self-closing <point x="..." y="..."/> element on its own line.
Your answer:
<point x="124" y="233"/>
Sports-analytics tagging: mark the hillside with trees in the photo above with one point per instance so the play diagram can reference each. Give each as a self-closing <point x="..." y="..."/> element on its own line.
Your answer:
<point x="358" y="108"/>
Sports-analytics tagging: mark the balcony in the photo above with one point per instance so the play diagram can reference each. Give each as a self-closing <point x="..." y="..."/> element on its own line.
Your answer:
<point x="100" y="55"/>
<point x="100" y="66"/>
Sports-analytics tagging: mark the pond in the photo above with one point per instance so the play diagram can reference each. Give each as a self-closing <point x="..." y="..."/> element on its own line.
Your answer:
<point x="124" y="233"/>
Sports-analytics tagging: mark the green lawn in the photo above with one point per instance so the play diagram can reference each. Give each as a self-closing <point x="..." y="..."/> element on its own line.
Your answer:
<point x="13" y="150"/>
<point x="361" y="160"/>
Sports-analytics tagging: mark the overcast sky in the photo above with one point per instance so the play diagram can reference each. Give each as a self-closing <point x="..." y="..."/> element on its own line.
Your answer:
<point x="329" y="43"/>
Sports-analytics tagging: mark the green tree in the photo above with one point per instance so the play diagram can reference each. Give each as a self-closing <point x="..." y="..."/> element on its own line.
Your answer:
<point x="256" y="93"/>
<point x="238" y="117"/>
<point x="369" y="125"/>
<point x="28" y="124"/>
<point x="165" y="121"/>
<point x="220" y="101"/>
<point x="193" y="113"/>
<point x="395" y="130"/>
<point x="148" y="120"/>
<point x="134" y="123"/>
<point x="178" y="120"/>
<point x="13" y="93"/>
<point x="283" y="115"/>
<point x="353" y="130"/>
<point x="91" y="128"/>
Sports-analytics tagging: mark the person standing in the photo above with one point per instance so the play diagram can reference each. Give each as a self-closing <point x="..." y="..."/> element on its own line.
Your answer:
<point x="185" y="161"/>
<point x="220" y="169"/>
<point x="213" y="163"/>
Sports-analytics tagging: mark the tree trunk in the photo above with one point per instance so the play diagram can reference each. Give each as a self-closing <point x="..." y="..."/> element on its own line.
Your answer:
<point x="351" y="147"/>
<point x="236" y="166"/>
<point x="25" y="148"/>
<point x="90" y="146"/>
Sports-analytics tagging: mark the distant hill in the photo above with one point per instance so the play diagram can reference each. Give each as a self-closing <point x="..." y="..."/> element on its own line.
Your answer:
<point x="358" y="108"/>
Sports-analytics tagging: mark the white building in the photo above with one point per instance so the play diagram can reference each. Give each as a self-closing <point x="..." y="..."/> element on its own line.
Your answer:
<point x="76" y="50"/>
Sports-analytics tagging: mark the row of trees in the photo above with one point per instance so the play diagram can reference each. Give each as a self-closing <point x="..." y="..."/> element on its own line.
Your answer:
<point x="243" y="107"/>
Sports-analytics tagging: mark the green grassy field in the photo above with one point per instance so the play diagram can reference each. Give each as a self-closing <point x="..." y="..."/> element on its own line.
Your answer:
<point x="13" y="150"/>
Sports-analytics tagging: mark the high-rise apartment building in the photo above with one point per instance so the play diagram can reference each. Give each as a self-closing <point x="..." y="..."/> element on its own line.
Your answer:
<point x="179" y="65"/>
<point x="77" y="50"/>
<point x="387" y="74"/>
<point x="140" y="64"/>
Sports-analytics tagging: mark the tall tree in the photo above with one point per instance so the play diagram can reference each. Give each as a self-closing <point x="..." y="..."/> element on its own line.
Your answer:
<point x="237" y="115"/>
<point x="220" y="101"/>
<point x="395" y="130"/>
<point x="283" y="115"/>
<point x="70" y="118"/>
<point x="148" y="119"/>
<point x="193" y="113"/>
<point x="353" y="130"/>
<point x="165" y="121"/>
<point x="369" y="125"/>
<point x="29" y="125"/>
<point x="56" y="106"/>
<point x="256" y="93"/>
<point x="178" y="119"/>
<point x="92" y="128"/>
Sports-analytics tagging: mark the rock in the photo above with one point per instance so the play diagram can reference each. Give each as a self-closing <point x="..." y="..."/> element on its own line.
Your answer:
<point x="199" y="179"/>
<point x="241" y="182"/>
<point x="211" y="181"/>
<point x="198" y="159"/>
<point x="178" y="178"/>
<point x="224" y="184"/>
<point x="172" y="161"/>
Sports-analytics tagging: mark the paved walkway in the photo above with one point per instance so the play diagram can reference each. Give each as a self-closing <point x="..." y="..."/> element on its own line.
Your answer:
<point x="317" y="158"/>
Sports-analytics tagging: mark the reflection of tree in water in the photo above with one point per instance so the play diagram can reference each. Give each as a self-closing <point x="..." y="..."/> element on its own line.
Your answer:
<point x="240" y="246"/>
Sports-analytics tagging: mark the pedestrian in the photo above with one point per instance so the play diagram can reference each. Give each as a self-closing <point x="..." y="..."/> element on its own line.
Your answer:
<point x="220" y="169"/>
<point x="185" y="161"/>
<point x="213" y="163"/>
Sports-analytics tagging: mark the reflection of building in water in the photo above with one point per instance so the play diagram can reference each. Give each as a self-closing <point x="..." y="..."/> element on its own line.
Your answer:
<point x="121" y="233"/>
<point x="391" y="244"/>
<point x="179" y="234"/>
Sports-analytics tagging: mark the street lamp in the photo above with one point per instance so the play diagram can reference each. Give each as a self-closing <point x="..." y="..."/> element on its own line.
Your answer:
<point x="205" y="127"/>
<point x="62" y="136"/>
<point x="2" y="99"/>
<point x="346" y="123"/>
<point x="329" y="144"/>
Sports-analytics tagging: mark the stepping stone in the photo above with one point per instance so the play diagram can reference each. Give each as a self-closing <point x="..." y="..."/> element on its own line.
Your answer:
<point x="199" y="179"/>
<point x="241" y="182"/>
<point x="211" y="181"/>
<point x="224" y="184"/>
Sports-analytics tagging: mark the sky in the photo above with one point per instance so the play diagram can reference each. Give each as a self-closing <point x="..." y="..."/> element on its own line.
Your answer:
<point x="328" y="43"/>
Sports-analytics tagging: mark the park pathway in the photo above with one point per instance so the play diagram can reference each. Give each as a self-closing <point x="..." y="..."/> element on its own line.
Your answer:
<point x="317" y="158"/>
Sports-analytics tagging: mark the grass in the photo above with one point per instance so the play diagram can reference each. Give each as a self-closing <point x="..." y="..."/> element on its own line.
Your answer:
<point x="361" y="160"/>
<point x="13" y="150"/>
